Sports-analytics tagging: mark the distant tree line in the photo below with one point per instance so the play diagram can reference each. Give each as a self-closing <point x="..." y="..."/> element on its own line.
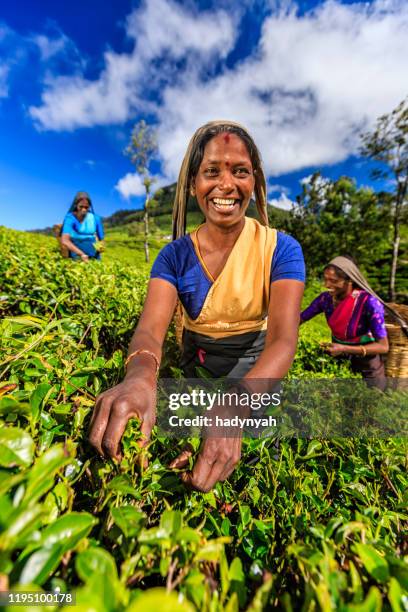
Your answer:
<point x="335" y="217"/>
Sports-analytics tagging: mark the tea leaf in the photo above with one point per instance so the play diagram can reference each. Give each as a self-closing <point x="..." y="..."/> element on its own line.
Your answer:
<point x="16" y="447"/>
<point x="374" y="563"/>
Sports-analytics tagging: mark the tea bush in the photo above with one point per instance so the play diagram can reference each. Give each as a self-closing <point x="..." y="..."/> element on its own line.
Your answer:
<point x="305" y="525"/>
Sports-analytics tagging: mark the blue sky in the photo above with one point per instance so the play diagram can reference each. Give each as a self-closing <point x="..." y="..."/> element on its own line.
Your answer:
<point x="304" y="77"/>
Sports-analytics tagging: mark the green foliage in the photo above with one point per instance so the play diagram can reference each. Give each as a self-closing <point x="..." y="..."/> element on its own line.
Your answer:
<point x="164" y="198"/>
<point x="307" y="524"/>
<point x="387" y="143"/>
<point x="126" y="246"/>
<point x="335" y="217"/>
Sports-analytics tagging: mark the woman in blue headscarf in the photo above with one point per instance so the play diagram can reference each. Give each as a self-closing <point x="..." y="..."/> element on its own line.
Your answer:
<point x="80" y="229"/>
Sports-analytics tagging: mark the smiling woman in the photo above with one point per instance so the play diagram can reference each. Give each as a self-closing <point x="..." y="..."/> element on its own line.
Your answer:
<point x="240" y="284"/>
<point x="225" y="180"/>
<point x="355" y="315"/>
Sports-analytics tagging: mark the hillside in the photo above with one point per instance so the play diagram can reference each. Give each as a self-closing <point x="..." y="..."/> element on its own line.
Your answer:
<point x="125" y="238"/>
<point x="162" y="206"/>
<point x="125" y="229"/>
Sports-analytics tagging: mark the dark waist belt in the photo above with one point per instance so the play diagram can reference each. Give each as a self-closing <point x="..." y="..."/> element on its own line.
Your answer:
<point x="233" y="355"/>
<point x="240" y="345"/>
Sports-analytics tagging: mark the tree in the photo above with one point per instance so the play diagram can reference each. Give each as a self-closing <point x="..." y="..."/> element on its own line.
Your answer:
<point x="388" y="144"/>
<point x="333" y="218"/>
<point x="141" y="150"/>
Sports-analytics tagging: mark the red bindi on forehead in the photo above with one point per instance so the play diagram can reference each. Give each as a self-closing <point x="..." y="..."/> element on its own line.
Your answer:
<point x="226" y="138"/>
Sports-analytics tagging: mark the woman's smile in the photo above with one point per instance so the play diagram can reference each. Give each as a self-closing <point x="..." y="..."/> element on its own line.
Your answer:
<point x="225" y="205"/>
<point x="225" y="180"/>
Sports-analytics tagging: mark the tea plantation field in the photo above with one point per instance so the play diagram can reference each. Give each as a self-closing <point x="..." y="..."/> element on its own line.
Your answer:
<point x="313" y="525"/>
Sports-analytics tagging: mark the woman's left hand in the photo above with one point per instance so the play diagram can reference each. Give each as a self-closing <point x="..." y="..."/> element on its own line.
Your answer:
<point x="334" y="349"/>
<point x="100" y="246"/>
<point x="216" y="461"/>
<point x="219" y="454"/>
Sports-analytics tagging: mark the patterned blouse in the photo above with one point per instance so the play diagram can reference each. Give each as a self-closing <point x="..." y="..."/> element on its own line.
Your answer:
<point x="371" y="320"/>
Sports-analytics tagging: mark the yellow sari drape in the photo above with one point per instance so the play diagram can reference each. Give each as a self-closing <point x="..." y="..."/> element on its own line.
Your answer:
<point x="238" y="300"/>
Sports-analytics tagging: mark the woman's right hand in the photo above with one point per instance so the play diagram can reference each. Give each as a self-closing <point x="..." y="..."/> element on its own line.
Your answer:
<point x="84" y="257"/>
<point x="134" y="397"/>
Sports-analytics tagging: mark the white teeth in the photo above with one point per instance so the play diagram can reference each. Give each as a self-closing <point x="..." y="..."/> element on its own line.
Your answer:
<point x="224" y="203"/>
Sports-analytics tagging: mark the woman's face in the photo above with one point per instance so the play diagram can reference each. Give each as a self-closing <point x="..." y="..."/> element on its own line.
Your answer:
<point x="225" y="180"/>
<point x="82" y="208"/>
<point x="338" y="287"/>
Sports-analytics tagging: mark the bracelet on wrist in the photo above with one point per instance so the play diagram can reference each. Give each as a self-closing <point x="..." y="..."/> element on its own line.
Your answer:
<point x="141" y="352"/>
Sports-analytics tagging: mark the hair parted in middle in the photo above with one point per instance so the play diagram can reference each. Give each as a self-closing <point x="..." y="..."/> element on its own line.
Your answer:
<point x="191" y="163"/>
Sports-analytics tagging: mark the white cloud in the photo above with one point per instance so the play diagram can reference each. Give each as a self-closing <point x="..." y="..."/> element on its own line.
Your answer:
<point x="161" y="30"/>
<point x="315" y="81"/>
<point x="321" y="182"/>
<point x="72" y="102"/>
<point x="162" y="26"/>
<point x="49" y="47"/>
<point x="41" y="52"/>
<point x="277" y="188"/>
<point x="282" y="202"/>
<point x="130" y="185"/>
<point x="57" y="50"/>
<point x="7" y="60"/>
<point x="311" y="84"/>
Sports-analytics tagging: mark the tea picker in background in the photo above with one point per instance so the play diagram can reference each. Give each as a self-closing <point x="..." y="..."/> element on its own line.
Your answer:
<point x="82" y="231"/>
<point x="355" y="315"/>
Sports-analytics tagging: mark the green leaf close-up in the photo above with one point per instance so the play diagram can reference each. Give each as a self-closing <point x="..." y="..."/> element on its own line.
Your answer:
<point x="16" y="447"/>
